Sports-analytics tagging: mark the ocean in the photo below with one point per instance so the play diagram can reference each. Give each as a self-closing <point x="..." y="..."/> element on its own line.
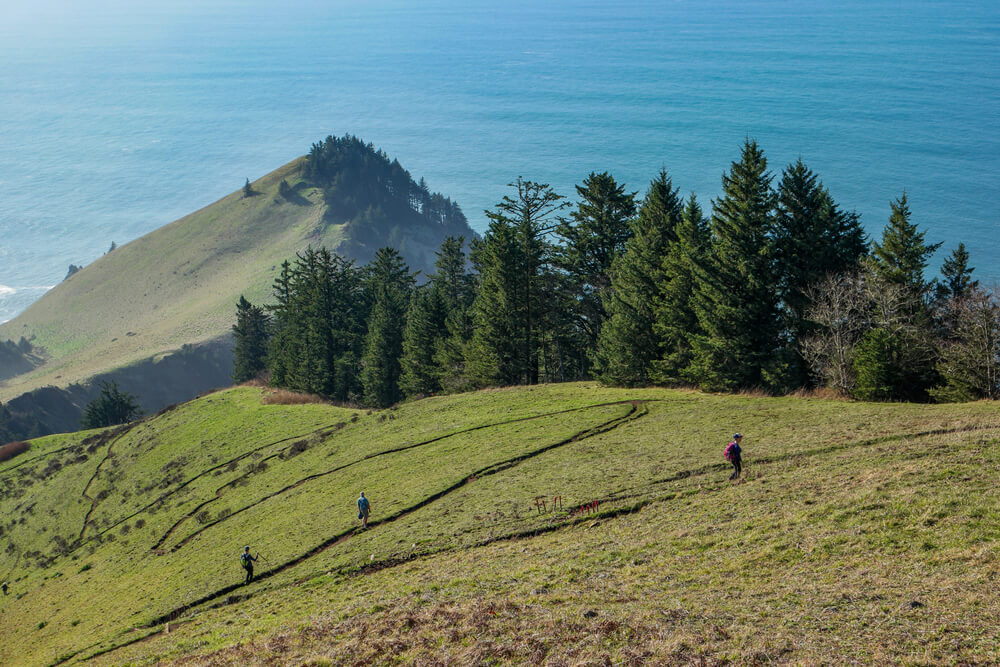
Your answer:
<point x="118" y="117"/>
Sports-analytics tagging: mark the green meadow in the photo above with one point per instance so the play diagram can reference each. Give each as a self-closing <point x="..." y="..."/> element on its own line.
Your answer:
<point x="860" y="533"/>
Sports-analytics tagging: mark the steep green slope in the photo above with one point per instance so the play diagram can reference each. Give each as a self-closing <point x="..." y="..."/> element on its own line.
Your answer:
<point x="849" y="513"/>
<point x="179" y="284"/>
<point x="173" y="286"/>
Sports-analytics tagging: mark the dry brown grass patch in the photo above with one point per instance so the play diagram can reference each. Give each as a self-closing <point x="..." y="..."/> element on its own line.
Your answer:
<point x="825" y="393"/>
<point x="12" y="449"/>
<point x="286" y="397"/>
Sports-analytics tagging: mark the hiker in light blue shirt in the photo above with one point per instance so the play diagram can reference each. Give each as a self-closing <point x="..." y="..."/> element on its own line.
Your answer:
<point x="247" y="561"/>
<point x="364" y="509"/>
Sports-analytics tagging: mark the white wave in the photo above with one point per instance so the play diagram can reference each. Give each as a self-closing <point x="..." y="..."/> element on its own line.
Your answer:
<point x="7" y="290"/>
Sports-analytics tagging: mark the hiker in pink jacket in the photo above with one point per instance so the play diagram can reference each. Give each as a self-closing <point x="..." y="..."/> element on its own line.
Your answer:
<point x="734" y="455"/>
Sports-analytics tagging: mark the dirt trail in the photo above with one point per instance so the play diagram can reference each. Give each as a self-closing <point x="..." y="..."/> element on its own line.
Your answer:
<point x="218" y="493"/>
<point x="637" y="409"/>
<point x="186" y="482"/>
<point x="569" y="521"/>
<point x="117" y="435"/>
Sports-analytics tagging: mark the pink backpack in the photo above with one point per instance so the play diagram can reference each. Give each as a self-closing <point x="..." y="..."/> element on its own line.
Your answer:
<point x="729" y="451"/>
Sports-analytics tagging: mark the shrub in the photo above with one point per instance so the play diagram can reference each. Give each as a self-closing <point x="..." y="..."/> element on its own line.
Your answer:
<point x="286" y="397"/>
<point x="112" y="407"/>
<point x="876" y="366"/>
<point x="12" y="449"/>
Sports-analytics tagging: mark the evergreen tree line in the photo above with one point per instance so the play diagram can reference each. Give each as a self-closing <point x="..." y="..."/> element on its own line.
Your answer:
<point x="775" y="288"/>
<point x="360" y="184"/>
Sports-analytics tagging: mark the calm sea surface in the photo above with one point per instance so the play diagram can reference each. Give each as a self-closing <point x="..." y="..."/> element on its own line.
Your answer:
<point x="118" y="117"/>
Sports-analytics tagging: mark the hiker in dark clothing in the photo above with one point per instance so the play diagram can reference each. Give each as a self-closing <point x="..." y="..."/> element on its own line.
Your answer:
<point x="247" y="561"/>
<point x="734" y="454"/>
<point x="4" y="587"/>
<point x="364" y="509"/>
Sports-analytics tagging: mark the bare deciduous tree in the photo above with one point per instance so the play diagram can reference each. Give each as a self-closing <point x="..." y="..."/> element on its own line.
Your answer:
<point x="970" y="359"/>
<point x="839" y="306"/>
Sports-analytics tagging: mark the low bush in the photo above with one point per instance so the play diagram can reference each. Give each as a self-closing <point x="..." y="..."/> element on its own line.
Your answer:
<point x="286" y="397"/>
<point x="12" y="449"/>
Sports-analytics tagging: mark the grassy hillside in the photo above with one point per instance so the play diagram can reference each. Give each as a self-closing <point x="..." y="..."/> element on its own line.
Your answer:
<point x="179" y="284"/>
<point x="861" y="532"/>
<point x="173" y="286"/>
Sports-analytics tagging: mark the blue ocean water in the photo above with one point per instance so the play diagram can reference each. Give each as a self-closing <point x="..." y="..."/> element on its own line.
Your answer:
<point x="118" y="117"/>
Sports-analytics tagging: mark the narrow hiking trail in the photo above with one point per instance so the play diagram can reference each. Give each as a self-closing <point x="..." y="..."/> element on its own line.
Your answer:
<point x="493" y="468"/>
<point x="219" y="491"/>
<point x="636" y="409"/>
<point x="324" y="430"/>
<point x="641" y="496"/>
<point x="116" y="435"/>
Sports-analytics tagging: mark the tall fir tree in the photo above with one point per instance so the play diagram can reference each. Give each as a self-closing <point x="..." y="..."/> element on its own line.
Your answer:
<point x="319" y="319"/>
<point x="676" y="323"/>
<point x="900" y="259"/>
<point x="956" y="276"/>
<point x="251" y="335"/>
<point x="110" y="408"/>
<point x="452" y="280"/>
<point x="389" y="283"/>
<point x="592" y="238"/>
<point x="628" y="344"/>
<point x="419" y="372"/>
<point x="813" y="238"/>
<point x="280" y="352"/>
<point x="512" y="303"/>
<point x="736" y="297"/>
<point x="903" y="254"/>
<point x="456" y="289"/>
<point x="955" y="285"/>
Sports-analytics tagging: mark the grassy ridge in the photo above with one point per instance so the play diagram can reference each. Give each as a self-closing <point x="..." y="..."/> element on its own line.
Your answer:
<point x="175" y="285"/>
<point x="849" y="513"/>
<point x="179" y="284"/>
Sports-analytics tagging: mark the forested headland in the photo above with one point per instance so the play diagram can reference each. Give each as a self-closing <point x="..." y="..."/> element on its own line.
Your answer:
<point x="773" y="286"/>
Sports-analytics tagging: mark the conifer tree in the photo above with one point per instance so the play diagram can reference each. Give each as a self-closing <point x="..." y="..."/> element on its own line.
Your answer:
<point x="250" y="334"/>
<point x="878" y="366"/>
<point x="813" y="239"/>
<point x="676" y="323"/>
<point x="389" y="284"/>
<point x="319" y="318"/>
<point x="902" y="255"/>
<point x="951" y="291"/>
<point x="419" y="373"/>
<point x="110" y="408"/>
<point x="736" y="296"/>
<point x="280" y="354"/>
<point x="628" y="344"/>
<point x="511" y="307"/>
<point x="900" y="258"/>
<point x="957" y="276"/>
<point x="598" y="233"/>
<point x="456" y="290"/>
<point x="452" y="279"/>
